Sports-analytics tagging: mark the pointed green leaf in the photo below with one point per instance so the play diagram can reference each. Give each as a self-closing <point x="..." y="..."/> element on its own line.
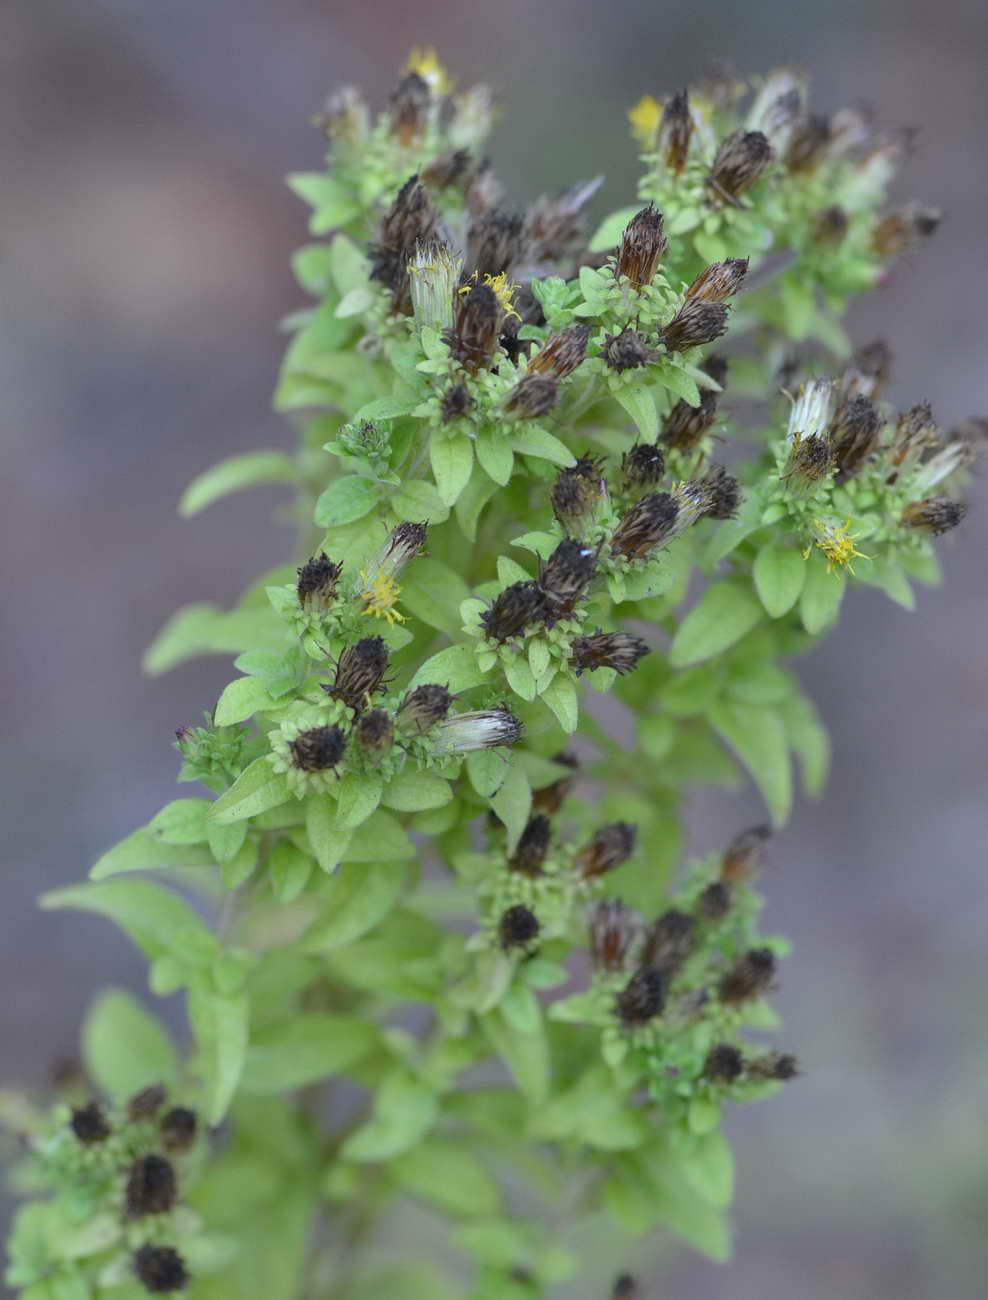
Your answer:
<point x="725" y="613"/>
<point x="759" y="739"/>
<point x="240" y="700"/>
<point x="125" y="1048"/>
<point x="152" y="916"/>
<point x="219" y="1022"/>
<point x="779" y="573"/>
<point x="303" y="1050"/>
<point x="234" y="475"/>
<point x="142" y="851"/>
<point x="345" y="500"/>
<point x="255" y="790"/>
<point x="452" y="461"/>
<point x="360" y="897"/>
<point x="640" y="405"/>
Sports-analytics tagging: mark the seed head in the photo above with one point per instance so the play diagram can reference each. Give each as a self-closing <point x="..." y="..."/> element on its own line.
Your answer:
<point x="359" y="673"/>
<point x="936" y="515"/>
<point x="738" y="163"/>
<point x="811" y="458"/>
<point x="899" y="231"/>
<point x="715" y="901"/>
<point x="745" y="854"/>
<point x="642" y="998"/>
<point x="643" y="465"/>
<point x="609" y="847"/>
<point x="533" y="845"/>
<point x="146" y="1103"/>
<point x="808" y="144"/>
<point x="160" y="1269"/>
<point x="433" y="274"/>
<point x="628" y="350"/>
<point x="518" y="927"/>
<point x="576" y="493"/>
<point x="317" y="579"/>
<point x="533" y="396"/>
<point x="613" y="931"/>
<point x="424" y="707"/>
<point x="749" y="977"/>
<point x="685" y="425"/>
<point x="179" y="1128"/>
<point x="456" y="402"/>
<point x="716" y="495"/>
<point x="318" y="749"/>
<point x="555" y="226"/>
<point x="477" y="326"/>
<point x="89" y="1124"/>
<point x="513" y="610"/>
<point x="410" y="105"/>
<point x="447" y="170"/>
<point x="566" y="576"/>
<point x="411" y="220"/>
<point x="483" y="729"/>
<point x="780" y="1066"/>
<point x="151" y="1186"/>
<point x="697" y="322"/>
<point x="778" y="108"/>
<point x="723" y="1064"/>
<point x="648" y="524"/>
<point x="831" y="225"/>
<point x="720" y="280"/>
<point x="560" y="355"/>
<point x="618" y="650"/>
<point x="484" y="190"/>
<point x="642" y="246"/>
<point x="869" y="370"/>
<point x="916" y="434"/>
<point x="675" y="132"/>
<point x="669" y="941"/>
<point x="494" y="242"/>
<point x="374" y="733"/>
<point x="854" y="435"/>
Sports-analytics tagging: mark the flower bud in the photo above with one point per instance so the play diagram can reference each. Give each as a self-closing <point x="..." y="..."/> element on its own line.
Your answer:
<point x="566" y="576"/>
<point x="628" y="350"/>
<point x="778" y="108"/>
<point x="359" y="672"/>
<point x="675" y="132"/>
<point x="642" y="246"/>
<point x="669" y="941"/>
<point x="532" y="397"/>
<point x="433" y="275"/>
<point x="744" y="855"/>
<point x="899" y="231"/>
<point x="447" y="170"/>
<point x="854" y="435"/>
<point x="936" y="515"/>
<point x="456" y="402"/>
<point x="643" y="465"/>
<point x="723" y="1064"/>
<point x="89" y="1124"/>
<point x="685" y="425"/>
<point x="532" y="847"/>
<point x="513" y="610"/>
<point x="374" y="733"/>
<point x="483" y="729"/>
<point x="576" y="493"/>
<point x="410" y="220"/>
<point x="808" y="144"/>
<point x="613" y="931"/>
<point x="146" y="1103"/>
<point x="424" y="707"/>
<point x="477" y="326"/>
<point x="750" y="976"/>
<point x="916" y="434"/>
<point x="717" y="495"/>
<point x="778" y="1066"/>
<point x="179" y="1128"/>
<point x="494" y="242"/>
<point x="715" y="901"/>
<point x="560" y="355"/>
<point x="618" y="650"/>
<point x="160" y="1269"/>
<point x="317" y="579"/>
<point x="344" y="118"/>
<point x="697" y="322"/>
<point x="609" y="847"/>
<point x="518" y="927"/>
<point x="642" y="999"/>
<point x="555" y="227"/>
<point x="410" y="106"/>
<point x="317" y="750"/>
<point x="648" y="524"/>
<point x="151" y="1187"/>
<point x="718" y="281"/>
<point x="738" y="163"/>
<point x="813" y="409"/>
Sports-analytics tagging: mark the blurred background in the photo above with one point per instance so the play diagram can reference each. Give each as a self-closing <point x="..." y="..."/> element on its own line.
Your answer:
<point x="146" y="235"/>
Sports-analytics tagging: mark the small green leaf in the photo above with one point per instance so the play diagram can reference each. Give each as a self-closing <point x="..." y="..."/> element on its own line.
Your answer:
<point x="142" y="851"/>
<point x="349" y="498"/>
<point x="240" y="700"/>
<point x="356" y="798"/>
<point x="496" y="458"/>
<point x="388" y="408"/>
<point x="708" y="1165"/>
<point x="359" y="898"/>
<point x="234" y="475"/>
<point x="520" y="678"/>
<point x="640" y="405"/>
<point x="289" y="869"/>
<point x="455" y="667"/>
<point x="723" y="616"/>
<point x="822" y="595"/>
<point x="779" y="573"/>
<point x="526" y="1055"/>
<point x="308" y="1047"/>
<point x="417" y="791"/>
<point x="380" y="839"/>
<point x="153" y="917"/>
<point x="759" y="739"/>
<point x="404" y="1111"/>
<point x="531" y="440"/>
<point x="808" y="737"/>
<point x="561" y="697"/>
<point x="183" y="821"/>
<point x="420" y="502"/>
<point x="255" y="790"/>
<point x="513" y="803"/>
<point x="449" y="1176"/>
<point x="124" y="1048"/>
<point x="219" y="1022"/>
<point x="487" y="770"/>
<point x="452" y="461"/>
<point x="225" y="842"/>
<point x="329" y="843"/>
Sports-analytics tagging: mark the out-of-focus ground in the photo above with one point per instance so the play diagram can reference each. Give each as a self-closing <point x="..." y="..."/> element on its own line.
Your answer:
<point x="145" y="239"/>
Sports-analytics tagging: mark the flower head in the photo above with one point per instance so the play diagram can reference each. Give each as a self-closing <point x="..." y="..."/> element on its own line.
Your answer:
<point x="532" y="847"/>
<point x="151" y="1186"/>
<point x="482" y="729"/>
<point x="359" y="672"/>
<point x="424" y="62"/>
<point x="642" y="999"/>
<point x="317" y="582"/>
<point x="642" y="246"/>
<point x="424" y="706"/>
<point x="160" y="1269"/>
<point x="178" y="1128"/>
<point x="518" y="927"/>
<point x="618" y="650"/>
<point x="675" y="131"/>
<point x="608" y="848"/>
<point x="644" y="119"/>
<point x="89" y="1124"/>
<point x="613" y="932"/>
<point x="837" y="544"/>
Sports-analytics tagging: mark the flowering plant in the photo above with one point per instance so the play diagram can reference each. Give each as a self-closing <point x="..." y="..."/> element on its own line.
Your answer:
<point x="449" y="968"/>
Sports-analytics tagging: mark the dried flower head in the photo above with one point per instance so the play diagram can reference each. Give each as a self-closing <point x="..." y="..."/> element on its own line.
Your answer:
<point x="808" y="144"/>
<point x="749" y="977"/>
<point x="618" y="650"/>
<point x="900" y="231"/>
<point x="669" y="941"/>
<point x="555" y="227"/>
<point x="151" y="1186"/>
<point x="533" y="846"/>
<point x="723" y="1064"/>
<point x="675" y="132"/>
<point x="179" y="1128"/>
<point x="719" y="281"/>
<point x="513" y="610"/>
<point x="456" y="402"/>
<point x="643" y="465"/>
<point x="518" y="927"/>
<point x="685" y="425"/>
<point x="374" y="733"/>
<point x="608" y="848"/>
<point x="424" y="706"/>
<point x="642" y="998"/>
<point x="560" y="355"/>
<point x="410" y="106"/>
<point x="566" y="576"/>
<point x="627" y="350"/>
<point x="317" y="581"/>
<point x="533" y="396"/>
<point x="854" y="435"/>
<point x="745" y="854"/>
<point x="717" y="495"/>
<point x="433" y="275"/>
<point x="936" y="515"/>
<point x="477" y="326"/>
<point x="482" y="729"/>
<point x="811" y="458"/>
<point x="778" y="1066"/>
<point x="360" y="672"/>
<point x="715" y="901"/>
<point x="146" y="1103"/>
<point x="614" y="931"/>
<point x="550" y="798"/>
<point x="642" y="246"/>
<point x="576" y="493"/>
<point x="697" y="322"/>
<point x="160" y="1269"/>
<point x="742" y="157"/>
<point x="89" y="1124"/>
<point x="831" y="225"/>
<point x="916" y="434"/>
<point x="869" y="370"/>
<point x="495" y="242"/>
<point x="410" y="221"/>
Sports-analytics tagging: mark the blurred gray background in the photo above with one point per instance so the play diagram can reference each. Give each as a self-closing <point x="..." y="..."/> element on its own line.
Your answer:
<point x="145" y="244"/>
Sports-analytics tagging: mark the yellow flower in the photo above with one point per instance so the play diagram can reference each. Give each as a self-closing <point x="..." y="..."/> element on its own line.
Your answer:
<point x="380" y="596"/>
<point x="425" y="61"/>
<point x="503" y="288"/>
<point x="837" y="544"/>
<point x="644" y="119"/>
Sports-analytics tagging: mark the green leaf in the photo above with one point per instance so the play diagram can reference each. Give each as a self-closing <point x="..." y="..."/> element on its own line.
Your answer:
<point x="388" y="408"/>
<point x="356" y="798"/>
<point x="332" y="203"/>
<point x="531" y="440"/>
<point x="404" y="1111"/>
<point x="487" y="770"/>
<point x="449" y="1176"/>
<point x="183" y="821"/>
<point x="419" y="501"/>
<point x="526" y="1055"/>
<point x="142" y="851"/>
<point x="471" y="503"/>
<point x="207" y="629"/>
<point x="311" y="267"/>
<point x="455" y="667"/>
<point x="219" y="1022"/>
<point x="725" y="613"/>
<point x="561" y="697"/>
<point x="225" y="842"/>
<point x="345" y="500"/>
<point x="329" y="843"/>
<point x="359" y="898"/>
<point x="808" y="737"/>
<point x="255" y="790"/>
<point x="381" y="839"/>
<point x="289" y="869"/>
<point x="513" y="803"/>
<point x="822" y="595"/>
<point x="452" y="461"/>
<point x="496" y="458"/>
<point x="303" y="1050"/>
<point x="240" y="700"/>
<point x="124" y="1048"/>
<point x="708" y="1165"/>
<point x="433" y="591"/>
<point x="640" y="405"/>
<point x="759" y="739"/>
<point x="779" y="573"/>
<point x="520" y="678"/>
<point x="234" y="475"/>
<point x="608" y="233"/>
<point x="417" y="791"/>
<point x="153" y="917"/>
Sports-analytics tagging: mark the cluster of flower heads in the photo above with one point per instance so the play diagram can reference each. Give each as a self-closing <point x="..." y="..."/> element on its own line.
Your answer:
<point x="127" y="1166"/>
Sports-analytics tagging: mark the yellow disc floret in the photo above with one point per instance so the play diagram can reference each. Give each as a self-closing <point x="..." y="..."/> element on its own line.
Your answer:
<point x="380" y="595"/>
<point x="425" y="61"/>
<point x="644" y="119"/>
<point x="503" y="289"/>
<point x="837" y="544"/>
